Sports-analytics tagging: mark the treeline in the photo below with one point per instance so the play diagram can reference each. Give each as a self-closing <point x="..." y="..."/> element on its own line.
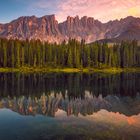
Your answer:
<point x="74" y="54"/>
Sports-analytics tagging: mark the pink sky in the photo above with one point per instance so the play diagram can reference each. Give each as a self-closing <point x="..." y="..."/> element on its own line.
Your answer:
<point x="104" y="10"/>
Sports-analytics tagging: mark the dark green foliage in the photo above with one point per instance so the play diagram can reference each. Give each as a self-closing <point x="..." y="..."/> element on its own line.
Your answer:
<point x="15" y="54"/>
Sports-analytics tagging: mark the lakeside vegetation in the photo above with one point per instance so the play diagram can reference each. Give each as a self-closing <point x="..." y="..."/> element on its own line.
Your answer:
<point x="67" y="70"/>
<point x="35" y="56"/>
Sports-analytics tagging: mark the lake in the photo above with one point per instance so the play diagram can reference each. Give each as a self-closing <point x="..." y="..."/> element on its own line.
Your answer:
<point x="70" y="106"/>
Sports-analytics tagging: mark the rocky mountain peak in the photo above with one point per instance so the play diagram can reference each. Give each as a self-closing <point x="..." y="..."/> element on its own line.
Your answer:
<point x="47" y="28"/>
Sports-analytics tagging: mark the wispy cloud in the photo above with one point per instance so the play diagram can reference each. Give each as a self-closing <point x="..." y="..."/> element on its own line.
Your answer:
<point x="43" y="4"/>
<point x="103" y="10"/>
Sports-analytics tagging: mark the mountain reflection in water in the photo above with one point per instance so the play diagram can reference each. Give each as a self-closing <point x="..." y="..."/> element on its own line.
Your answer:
<point x="49" y="105"/>
<point x="70" y="106"/>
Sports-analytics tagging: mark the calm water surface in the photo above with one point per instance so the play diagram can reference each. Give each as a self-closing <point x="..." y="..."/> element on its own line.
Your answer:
<point x="70" y="106"/>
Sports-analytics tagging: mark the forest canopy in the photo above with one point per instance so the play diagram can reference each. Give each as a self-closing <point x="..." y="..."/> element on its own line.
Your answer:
<point x="74" y="54"/>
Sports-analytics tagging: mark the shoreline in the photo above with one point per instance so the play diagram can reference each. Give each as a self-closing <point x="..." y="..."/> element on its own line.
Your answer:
<point x="67" y="70"/>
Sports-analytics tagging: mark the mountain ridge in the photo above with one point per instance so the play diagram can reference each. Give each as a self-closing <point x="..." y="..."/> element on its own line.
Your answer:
<point x="47" y="28"/>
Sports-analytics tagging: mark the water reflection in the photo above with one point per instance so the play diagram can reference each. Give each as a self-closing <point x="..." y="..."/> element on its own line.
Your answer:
<point x="70" y="106"/>
<point x="49" y="104"/>
<point x="124" y="84"/>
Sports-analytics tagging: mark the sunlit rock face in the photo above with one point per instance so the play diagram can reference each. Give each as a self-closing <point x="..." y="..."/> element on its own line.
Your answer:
<point x="44" y="28"/>
<point x="84" y="28"/>
<point x="47" y="28"/>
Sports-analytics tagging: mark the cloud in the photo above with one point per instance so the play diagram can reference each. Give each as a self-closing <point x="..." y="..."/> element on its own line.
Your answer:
<point x="134" y="11"/>
<point x="43" y="4"/>
<point x="103" y="10"/>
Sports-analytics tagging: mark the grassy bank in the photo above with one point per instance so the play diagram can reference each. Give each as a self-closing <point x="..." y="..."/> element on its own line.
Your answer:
<point x="67" y="70"/>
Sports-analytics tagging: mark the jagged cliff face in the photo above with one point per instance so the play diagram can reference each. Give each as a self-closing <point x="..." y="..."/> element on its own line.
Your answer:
<point x="44" y="28"/>
<point x="84" y="28"/>
<point x="47" y="28"/>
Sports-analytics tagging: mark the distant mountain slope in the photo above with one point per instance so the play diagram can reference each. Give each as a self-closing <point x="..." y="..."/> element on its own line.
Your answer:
<point x="47" y="28"/>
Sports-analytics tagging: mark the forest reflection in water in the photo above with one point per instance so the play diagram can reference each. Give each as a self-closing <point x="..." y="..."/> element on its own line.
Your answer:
<point x="70" y="106"/>
<point x="124" y="84"/>
<point x="73" y="93"/>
